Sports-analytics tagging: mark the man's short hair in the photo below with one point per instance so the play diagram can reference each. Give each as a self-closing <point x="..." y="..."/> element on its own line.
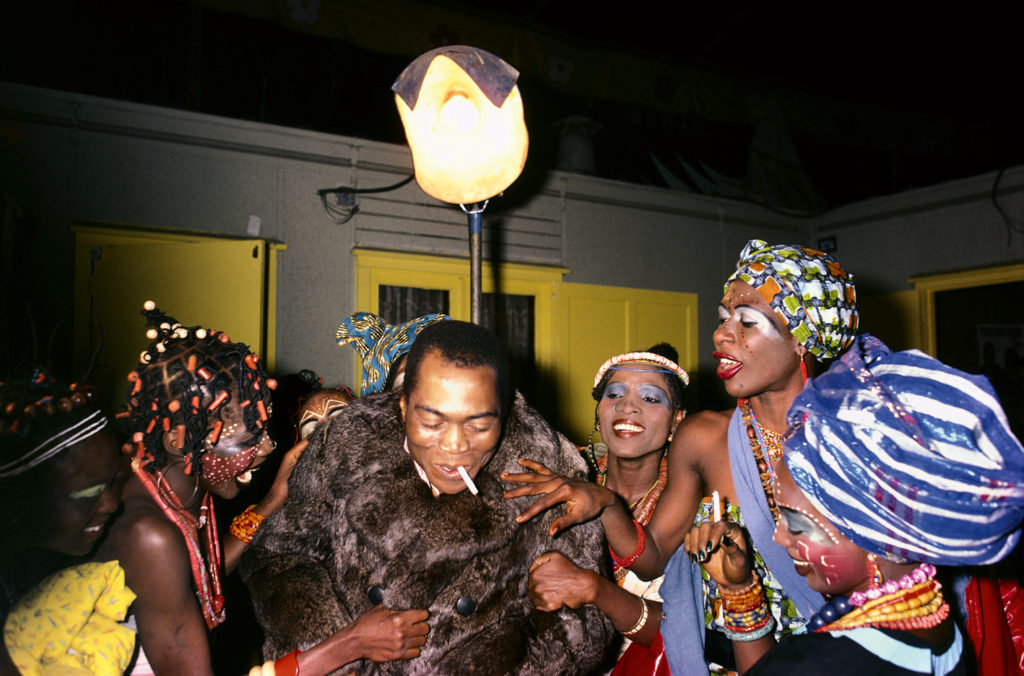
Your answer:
<point x="465" y="345"/>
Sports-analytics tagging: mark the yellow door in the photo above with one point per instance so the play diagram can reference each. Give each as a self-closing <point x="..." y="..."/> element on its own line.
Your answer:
<point x="576" y="326"/>
<point x="216" y="283"/>
<point x="598" y="322"/>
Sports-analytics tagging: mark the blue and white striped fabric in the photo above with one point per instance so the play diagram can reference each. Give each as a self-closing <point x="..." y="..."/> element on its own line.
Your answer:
<point x="911" y="459"/>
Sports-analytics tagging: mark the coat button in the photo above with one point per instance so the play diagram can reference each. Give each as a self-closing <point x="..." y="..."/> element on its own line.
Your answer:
<point x="465" y="606"/>
<point x="375" y="594"/>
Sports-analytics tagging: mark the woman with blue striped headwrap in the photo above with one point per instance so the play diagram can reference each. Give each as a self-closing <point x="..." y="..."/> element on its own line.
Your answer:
<point x="912" y="458"/>
<point x="894" y="463"/>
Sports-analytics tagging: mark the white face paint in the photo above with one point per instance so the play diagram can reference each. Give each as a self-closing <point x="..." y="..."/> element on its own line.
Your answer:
<point x="756" y="353"/>
<point x="831" y="563"/>
<point x="749" y="318"/>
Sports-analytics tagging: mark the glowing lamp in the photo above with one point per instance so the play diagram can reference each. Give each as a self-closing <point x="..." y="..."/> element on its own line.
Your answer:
<point x="463" y="119"/>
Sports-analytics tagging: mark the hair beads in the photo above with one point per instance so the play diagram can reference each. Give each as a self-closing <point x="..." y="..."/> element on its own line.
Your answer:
<point x="185" y="380"/>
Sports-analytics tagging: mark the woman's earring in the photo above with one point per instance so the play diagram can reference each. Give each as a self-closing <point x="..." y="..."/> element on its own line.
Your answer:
<point x="597" y="423"/>
<point x="803" y="370"/>
<point x="873" y="572"/>
<point x="589" y="448"/>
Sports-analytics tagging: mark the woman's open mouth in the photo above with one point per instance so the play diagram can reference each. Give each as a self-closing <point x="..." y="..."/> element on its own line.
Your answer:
<point x="727" y="366"/>
<point x="245" y="478"/>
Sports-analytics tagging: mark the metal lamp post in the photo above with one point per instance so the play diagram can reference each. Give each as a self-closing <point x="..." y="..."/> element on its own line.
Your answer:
<point x="463" y="119"/>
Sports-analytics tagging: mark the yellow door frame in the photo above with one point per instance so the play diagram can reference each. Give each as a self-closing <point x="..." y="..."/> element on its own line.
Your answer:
<point x="375" y="268"/>
<point x="926" y="287"/>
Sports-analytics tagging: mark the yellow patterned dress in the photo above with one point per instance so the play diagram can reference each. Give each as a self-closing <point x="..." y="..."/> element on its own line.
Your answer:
<point x="68" y="624"/>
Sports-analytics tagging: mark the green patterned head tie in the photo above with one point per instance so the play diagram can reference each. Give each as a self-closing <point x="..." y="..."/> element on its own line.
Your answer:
<point x="808" y="289"/>
<point x="379" y="345"/>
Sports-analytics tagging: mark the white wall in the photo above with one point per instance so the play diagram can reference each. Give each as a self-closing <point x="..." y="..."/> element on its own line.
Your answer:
<point x="942" y="228"/>
<point x="76" y="158"/>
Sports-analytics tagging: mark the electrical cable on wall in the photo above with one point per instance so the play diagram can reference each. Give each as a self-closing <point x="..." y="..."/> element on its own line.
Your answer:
<point x="344" y="205"/>
<point x="1010" y="225"/>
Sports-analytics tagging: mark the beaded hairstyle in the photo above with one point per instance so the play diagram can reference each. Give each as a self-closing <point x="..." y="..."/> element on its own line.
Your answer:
<point x="184" y="379"/>
<point x="40" y="417"/>
<point x="662" y="356"/>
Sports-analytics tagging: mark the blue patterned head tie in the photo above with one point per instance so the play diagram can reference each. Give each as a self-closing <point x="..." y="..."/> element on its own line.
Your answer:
<point x="812" y="293"/>
<point x="909" y="458"/>
<point x="380" y="345"/>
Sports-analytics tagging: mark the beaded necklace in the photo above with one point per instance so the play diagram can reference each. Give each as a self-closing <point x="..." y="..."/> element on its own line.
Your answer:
<point x="643" y="508"/>
<point x="205" y="573"/>
<point x="764" y="468"/>
<point x="912" y="602"/>
<point x="770" y="440"/>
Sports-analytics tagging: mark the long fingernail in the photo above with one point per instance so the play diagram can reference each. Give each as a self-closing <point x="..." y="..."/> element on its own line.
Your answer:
<point x="707" y="547"/>
<point x="693" y="557"/>
<point x="727" y="541"/>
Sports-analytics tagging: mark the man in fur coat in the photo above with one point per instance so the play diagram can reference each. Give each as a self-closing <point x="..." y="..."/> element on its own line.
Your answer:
<point x="397" y="552"/>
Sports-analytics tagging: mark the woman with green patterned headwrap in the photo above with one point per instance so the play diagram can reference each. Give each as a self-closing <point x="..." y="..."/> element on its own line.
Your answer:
<point x="786" y="312"/>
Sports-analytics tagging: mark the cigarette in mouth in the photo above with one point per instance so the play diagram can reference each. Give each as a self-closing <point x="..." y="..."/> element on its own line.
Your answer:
<point x="466" y="478"/>
<point x="716" y="505"/>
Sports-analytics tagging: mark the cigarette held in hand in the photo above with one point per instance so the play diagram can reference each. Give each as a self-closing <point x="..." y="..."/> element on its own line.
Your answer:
<point x="716" y="505"/>
<point x="469" y="481"/>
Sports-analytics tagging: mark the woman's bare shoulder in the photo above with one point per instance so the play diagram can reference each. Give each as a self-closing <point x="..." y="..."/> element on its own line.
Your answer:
<point x="142" y="537"/>
<point x="705" y="429"/>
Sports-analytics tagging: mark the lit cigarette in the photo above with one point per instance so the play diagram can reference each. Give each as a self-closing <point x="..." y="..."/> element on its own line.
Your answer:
<point x="715" y="505"/>
<point x="466" y="478"/>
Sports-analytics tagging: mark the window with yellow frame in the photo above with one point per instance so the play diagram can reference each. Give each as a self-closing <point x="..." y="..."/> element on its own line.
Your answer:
<point x="575" y="327"/>
<point x="517" y="303"/>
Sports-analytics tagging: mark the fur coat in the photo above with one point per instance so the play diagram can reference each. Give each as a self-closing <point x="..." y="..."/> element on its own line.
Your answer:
<point x="359" y="518"/>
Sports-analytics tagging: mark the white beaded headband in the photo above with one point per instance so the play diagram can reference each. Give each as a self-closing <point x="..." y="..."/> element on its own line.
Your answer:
<point x="665" y="363"/>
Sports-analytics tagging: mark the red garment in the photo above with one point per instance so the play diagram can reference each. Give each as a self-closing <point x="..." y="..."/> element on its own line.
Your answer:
<point x="995" y="625"/>
<point x="640" y="660"/>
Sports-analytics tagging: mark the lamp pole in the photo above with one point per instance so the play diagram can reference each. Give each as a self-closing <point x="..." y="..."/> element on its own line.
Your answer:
<point x="474" y="214"/>
<point x="463" y="118"/>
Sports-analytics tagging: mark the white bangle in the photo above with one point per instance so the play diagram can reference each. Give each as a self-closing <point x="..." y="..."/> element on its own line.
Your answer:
<point x="635" y="629"/>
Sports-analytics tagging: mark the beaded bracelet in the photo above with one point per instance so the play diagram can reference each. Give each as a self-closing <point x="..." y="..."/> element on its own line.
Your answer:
<point x="245" y="525"/>
<point x="288" y="665"/>
<point x="753" y="635"/>
<point x="285" y="666"/>
<point x="641" y="539"/>
<point x="746" y="613"/>
<point x="738" y="598"/>
<point x="640" y="623"/>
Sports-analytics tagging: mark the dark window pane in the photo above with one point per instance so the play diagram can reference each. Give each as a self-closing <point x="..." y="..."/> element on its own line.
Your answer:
<point x="979" y="330"/>
<point x="511" y="318"/>
<point x="399" y="304"/>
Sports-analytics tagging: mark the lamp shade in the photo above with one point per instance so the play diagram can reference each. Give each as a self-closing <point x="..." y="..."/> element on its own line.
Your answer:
<point x="463" y="119"/>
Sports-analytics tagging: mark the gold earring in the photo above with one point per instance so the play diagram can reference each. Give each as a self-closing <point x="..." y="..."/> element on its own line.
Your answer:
<point x="589" y="448"/>
<point x="873" y="572"/>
